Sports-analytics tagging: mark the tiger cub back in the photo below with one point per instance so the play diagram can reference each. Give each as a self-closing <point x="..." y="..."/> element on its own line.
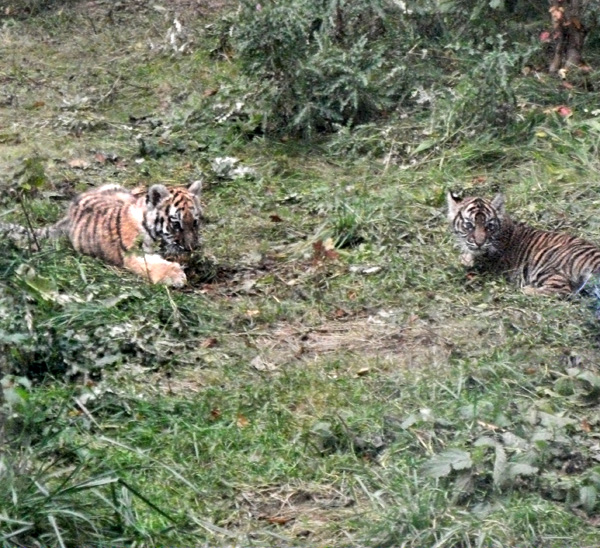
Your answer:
<point x="547" y="263"/>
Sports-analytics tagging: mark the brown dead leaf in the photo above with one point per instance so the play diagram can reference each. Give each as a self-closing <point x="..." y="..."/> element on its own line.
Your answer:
<point x="78" y="163"/>
<point x="209" y="343"/>
<point x="100" y="158"/>
<point x="215" y="413"/>
<point x="340" y="313"/>
<point x="242" y="421"/>
<point x="323" y="252"/>
<point x="38" y="104"/>
<point x="275" y="218"/>
<point x="585" y="426"/>
<point x="210" y="91"/>
<point x="278" y="520"/>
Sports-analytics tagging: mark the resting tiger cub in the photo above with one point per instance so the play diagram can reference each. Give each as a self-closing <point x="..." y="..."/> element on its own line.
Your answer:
<point x="108" y="223"/>
<point x="543" y="263"/>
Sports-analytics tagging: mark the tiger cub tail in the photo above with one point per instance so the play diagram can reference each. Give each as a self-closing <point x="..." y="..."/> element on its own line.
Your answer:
<point x="21" y="235"/>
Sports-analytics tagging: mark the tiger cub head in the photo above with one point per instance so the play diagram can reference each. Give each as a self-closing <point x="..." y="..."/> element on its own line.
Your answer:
<point x="173" y="217"/>
<point x="477" y="223"/>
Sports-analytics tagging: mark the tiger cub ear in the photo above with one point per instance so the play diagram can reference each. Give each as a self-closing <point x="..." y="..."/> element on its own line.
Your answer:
<point x="156" y="193"/>
<point x="453" y="204"/>
<point x="196" y="188"/>
<point x="498" y="204"/>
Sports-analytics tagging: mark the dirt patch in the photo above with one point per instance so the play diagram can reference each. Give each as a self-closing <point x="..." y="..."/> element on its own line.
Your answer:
<point x="299" y="511"/>
<point x="414" y="344"/>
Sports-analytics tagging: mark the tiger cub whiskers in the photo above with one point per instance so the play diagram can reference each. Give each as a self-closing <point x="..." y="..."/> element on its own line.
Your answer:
<point x="111" y="223"/>
<point x="540" y="262"/>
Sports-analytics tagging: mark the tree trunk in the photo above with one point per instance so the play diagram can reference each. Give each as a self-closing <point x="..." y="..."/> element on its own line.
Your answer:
<point x="568" y="34"/>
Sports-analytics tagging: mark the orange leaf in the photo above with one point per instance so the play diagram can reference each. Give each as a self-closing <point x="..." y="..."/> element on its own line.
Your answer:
<point x="242" y="421"/>
<point x="278" y="520"/>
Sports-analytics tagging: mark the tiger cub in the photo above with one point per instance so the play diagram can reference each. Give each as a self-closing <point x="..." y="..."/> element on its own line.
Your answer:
<point x="110" y="222"/>
<point x="540" y="262"/>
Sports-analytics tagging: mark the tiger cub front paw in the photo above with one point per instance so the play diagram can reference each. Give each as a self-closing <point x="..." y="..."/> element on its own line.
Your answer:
<point x="167" y="273"/>
<point x="174" y="276"/>
<point x="467" y="259"/>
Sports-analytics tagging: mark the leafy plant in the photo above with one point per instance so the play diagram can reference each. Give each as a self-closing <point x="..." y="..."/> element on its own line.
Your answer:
<point x="322" y="63"/>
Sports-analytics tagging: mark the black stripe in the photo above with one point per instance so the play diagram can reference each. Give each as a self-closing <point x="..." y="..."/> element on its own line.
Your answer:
<point x="119" y="231"/>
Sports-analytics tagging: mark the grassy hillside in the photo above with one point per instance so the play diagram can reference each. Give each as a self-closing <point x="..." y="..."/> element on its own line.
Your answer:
<point x="332" y="376"/>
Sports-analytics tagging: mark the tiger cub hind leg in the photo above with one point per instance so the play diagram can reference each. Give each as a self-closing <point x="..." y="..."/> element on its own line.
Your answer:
<point x="557" y="284"/>
<point x="156" y="269"/>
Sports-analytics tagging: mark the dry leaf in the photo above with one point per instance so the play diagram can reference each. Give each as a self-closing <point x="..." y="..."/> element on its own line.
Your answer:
<point x="564" y="111"/>
<point x="242" y="421"/>
<point x="78" y="163"/>
<point x="324" y="251"/>
<point x="209" y="343"/>
<point x="340" y="313"/>
<point x="278" y="520"/>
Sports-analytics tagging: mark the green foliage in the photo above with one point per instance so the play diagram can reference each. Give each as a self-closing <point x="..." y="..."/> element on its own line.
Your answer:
<point x="62" y="333"/>
<point x="321" y="64"/>
<point x="336" y="378"/>
<point x="29" y="175"/>
<point x="49" y="485"/>
<point x="484" y="97"/>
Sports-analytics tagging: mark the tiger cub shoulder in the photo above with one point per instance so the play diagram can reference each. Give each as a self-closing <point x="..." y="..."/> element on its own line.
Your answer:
<point x="540" y="262"/>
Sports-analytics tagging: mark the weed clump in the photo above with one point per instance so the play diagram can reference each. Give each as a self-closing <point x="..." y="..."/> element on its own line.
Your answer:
<point x="323" y="64"/>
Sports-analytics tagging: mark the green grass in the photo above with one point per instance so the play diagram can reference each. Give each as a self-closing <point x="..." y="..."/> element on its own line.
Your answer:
<point x="303" y="393"/>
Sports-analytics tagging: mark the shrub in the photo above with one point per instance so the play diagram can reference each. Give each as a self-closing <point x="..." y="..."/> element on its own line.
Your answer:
<point x="323" y="63"/>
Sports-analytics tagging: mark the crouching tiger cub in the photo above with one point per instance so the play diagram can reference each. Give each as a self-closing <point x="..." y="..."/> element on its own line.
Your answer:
<point x="543" y="263"/>
<point x="110" y="221"/>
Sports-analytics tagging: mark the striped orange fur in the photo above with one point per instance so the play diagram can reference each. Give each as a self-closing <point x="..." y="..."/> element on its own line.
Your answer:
<point x="110" y="222"/>
<point x="547" y="263"/>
